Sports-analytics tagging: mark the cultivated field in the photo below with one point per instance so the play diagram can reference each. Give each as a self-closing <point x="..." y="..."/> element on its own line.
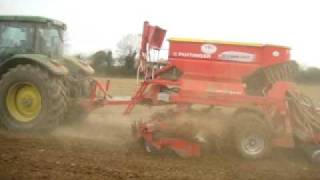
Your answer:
<point x="101" y="148"/>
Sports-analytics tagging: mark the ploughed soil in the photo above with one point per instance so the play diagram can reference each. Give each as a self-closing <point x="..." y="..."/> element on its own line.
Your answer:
<point x="101" y="147"/>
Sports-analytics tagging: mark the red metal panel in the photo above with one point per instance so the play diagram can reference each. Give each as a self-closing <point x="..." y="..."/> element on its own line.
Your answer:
<point x="152" y="37"/>
<point x="223" y="62"/>
<point x="232" y="53"/>
<point x="209" y="89"/>
<point x="274" y="54"/>
<point x="195" y="50"/>
<point x="216" y="70"/>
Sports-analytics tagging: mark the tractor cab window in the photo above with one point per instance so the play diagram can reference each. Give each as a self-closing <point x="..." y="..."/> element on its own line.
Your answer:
<point x="15" y="38"/>
<point x="50" y="41"/>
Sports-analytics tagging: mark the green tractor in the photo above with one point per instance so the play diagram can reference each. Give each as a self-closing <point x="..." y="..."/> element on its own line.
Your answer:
<point x="38" y="85"/>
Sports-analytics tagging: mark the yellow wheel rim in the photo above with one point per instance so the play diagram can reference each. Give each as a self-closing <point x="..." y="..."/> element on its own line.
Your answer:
<point x="24" y="102"/>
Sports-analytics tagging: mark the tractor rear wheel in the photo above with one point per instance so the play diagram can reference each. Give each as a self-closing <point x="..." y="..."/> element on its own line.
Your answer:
<point x="31" y="99"/>
<point x="251" y="136"/>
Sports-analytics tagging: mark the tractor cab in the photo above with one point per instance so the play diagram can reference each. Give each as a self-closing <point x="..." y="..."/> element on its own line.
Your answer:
<point x="30" y="35"/>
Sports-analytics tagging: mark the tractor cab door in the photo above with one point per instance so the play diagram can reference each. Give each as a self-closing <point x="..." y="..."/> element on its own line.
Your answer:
<point x="49" y="40"/>
<point x="15" y="38"/>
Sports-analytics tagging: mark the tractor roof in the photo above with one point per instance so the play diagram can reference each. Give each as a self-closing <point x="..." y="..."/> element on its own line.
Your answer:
<point x="36" y="19"/>
<point x="224" y="42"/>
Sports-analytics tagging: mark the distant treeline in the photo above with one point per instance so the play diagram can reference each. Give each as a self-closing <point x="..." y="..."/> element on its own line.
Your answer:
<point x="309" y="75"/>
<point x="105" y="64"/>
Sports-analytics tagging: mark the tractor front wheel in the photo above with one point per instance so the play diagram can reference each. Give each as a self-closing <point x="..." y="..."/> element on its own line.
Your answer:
<point x="30" y="99"/>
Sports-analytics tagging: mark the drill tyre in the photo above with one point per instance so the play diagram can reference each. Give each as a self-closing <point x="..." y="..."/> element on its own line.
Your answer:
<point x="252" y="138"/>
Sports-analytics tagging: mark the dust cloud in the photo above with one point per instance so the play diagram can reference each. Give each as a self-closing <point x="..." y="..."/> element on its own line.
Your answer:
<point x="109" y="126"/>
<point x="106" y="124"/>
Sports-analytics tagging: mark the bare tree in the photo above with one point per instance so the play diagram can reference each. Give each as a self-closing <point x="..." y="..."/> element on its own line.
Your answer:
<point x="128" y="45"/>
<point x="127" y="49"/>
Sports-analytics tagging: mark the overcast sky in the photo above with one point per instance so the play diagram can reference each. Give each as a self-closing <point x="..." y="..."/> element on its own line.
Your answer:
<point x="95" y="25"/>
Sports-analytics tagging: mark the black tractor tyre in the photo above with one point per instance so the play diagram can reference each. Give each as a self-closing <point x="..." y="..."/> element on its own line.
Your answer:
<point x="31" y="99"/>
<point x="252" y="137"/>
<point x="77" y="88"/>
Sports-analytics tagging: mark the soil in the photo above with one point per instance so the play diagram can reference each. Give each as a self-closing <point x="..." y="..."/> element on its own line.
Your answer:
<point x="101" y="147"/>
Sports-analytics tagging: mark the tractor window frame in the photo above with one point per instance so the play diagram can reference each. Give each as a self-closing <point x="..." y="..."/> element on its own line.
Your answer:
<point x="48" y="26"/>
<point x="18" y="25"/>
